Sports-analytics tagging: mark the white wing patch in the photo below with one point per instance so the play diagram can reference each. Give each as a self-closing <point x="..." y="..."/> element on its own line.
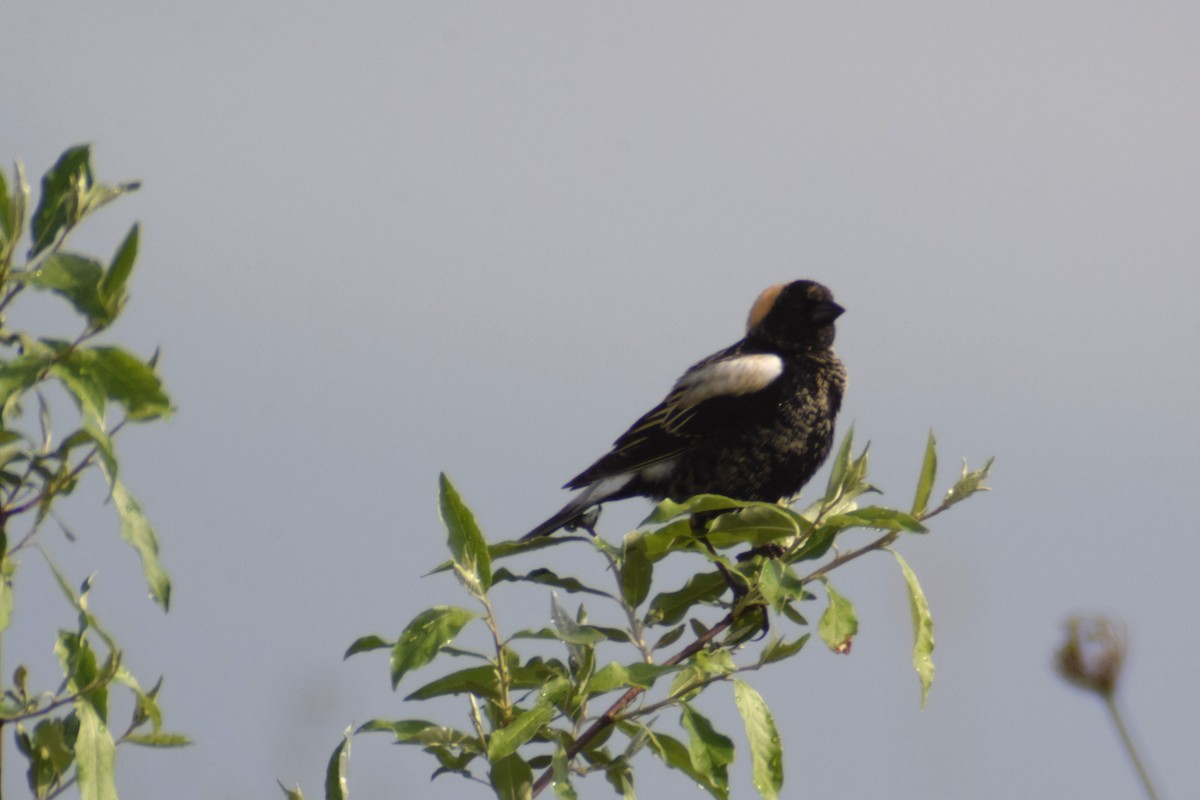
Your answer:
<point x="730" y="376"/>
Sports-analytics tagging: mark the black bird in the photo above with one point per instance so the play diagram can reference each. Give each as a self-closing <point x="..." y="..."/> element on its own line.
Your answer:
<point x="753" y="421"/>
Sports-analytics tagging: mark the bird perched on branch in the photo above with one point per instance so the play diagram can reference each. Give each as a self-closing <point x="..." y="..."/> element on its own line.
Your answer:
<point x="753" y="421"/>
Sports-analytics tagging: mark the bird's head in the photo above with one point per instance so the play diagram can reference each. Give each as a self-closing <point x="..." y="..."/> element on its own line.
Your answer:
<point x="794" y="316"/>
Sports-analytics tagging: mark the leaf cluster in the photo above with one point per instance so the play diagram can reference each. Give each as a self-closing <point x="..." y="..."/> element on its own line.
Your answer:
<point x="585" y="712"/>
<point x="64" y="733"/>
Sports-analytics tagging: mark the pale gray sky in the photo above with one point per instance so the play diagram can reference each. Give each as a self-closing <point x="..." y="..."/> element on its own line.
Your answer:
<point x="386" y="239"/>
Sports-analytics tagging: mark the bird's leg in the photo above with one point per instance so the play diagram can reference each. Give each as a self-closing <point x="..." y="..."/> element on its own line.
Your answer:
<point x="699" y="523"/>
<point x="586" y="520"/>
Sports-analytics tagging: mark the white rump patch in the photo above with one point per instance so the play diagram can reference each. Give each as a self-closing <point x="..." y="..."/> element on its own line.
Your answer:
<point x="730" y="376"/>
<point x="602" y="489"/>
<point x="658" y="470"/>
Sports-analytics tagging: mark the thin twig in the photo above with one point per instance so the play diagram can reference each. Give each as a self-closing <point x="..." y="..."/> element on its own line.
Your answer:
<point x="1110" y="701"/>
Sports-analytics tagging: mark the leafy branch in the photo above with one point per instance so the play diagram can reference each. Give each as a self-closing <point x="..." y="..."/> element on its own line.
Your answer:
<point x="532" y="712"/>
<point x="71" y="744"/>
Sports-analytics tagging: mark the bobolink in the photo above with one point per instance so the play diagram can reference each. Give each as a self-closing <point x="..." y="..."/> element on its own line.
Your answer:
<point x="753" y="421"/>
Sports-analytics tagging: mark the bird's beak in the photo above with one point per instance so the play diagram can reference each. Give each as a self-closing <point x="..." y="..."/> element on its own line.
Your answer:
<point x="827" y="312"/>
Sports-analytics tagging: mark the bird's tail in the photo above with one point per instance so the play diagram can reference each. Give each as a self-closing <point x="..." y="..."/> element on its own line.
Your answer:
<point x="569" y="514"/>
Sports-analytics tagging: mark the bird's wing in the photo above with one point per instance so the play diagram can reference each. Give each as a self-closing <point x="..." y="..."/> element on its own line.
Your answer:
<point x="722" y="393"/>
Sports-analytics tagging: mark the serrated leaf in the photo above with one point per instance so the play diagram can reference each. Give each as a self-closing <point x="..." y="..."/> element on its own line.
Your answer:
<point x="636" y="573"/>
<point x="922" y="621"/>
<point x="839" y="623"/>
<point x="94" y="755"/>
<point x="766" y="752"/>
<point x="928" y="476"/>
<point x="512" y="779"/>
<point x="425" y="636"/>
<point x="466" y="542"/>
<point x="136" y="530"/>
<point x="335" y="772"/>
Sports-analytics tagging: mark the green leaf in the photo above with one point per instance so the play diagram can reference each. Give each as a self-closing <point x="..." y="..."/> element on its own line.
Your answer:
<point x="757" y="525"/>
<point x="547" y="578"/>
<point x="8" y="568"/>
<point x="928" y="476"/>
<point x="710" y="750"/>
<point x="890" y="519"/>
<point x="779" y="584"/>
<point x="111" y="291"/>
<point x="505" y="741"/>
<point x="50" y="750"/>
<point x="577" y="634"/>
<point x="480" y="681"/>
<point x="127" y="380"/>
<point x="670" y="607"/>
<point x="365" y="644"/>
<point x="94" y="755"/>
<point x="136" y="530"/>
<point x="291" y="794"/>
<point x="563" y="790"/>
<point x="777" y="649"/>
<point x="766" y="753"/>
<point x="74" y="277"/>
<point x="428" y="633"/>
<point x="839" y="624"/>
<point x="6" y="221"/>
<point x="841" y="463"/>
<point x="670" y="637"/>
<point x="668" y="509"/>
<point x="424" y="733"/>
<point x="16" y="376"/>
<point x="466" y="541"/>
<point x="677" y="756"/>
<point x="12" y="213"/>
<point x="922" y="655"/>
<point x="335" y="773"/>
<point x="512" y="779"/>
<point x="619" y="676"/>
<point x="158" y="739"/>
<point x="636" y="573"/>
<point x="968" y="484"/>
<point x="63" y="187"/>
